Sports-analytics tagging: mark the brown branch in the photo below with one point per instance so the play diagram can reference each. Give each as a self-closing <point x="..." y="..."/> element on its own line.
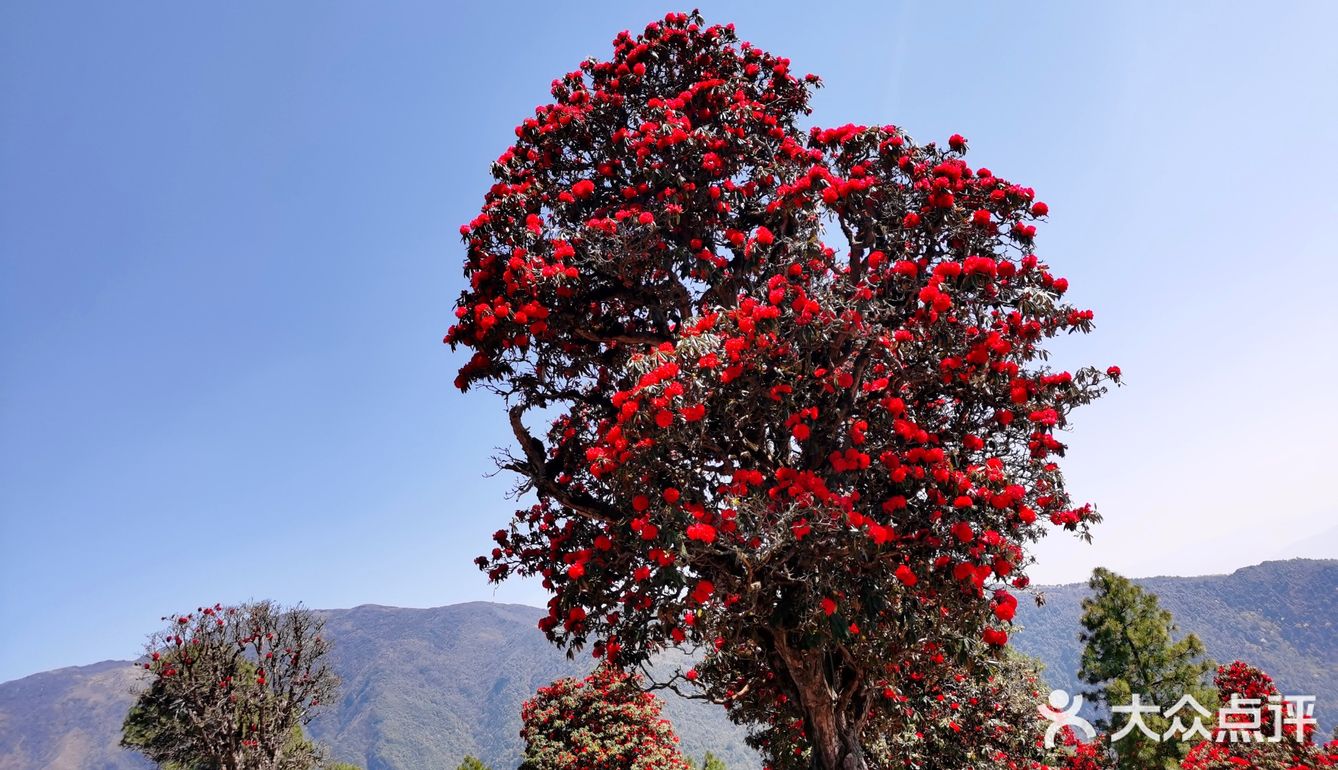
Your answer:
<point x="535" y="468"/>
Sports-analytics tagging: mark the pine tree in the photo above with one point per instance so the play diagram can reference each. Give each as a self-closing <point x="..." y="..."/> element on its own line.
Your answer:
<point x="472" y="762"/>
<point x="1131" y="649"/>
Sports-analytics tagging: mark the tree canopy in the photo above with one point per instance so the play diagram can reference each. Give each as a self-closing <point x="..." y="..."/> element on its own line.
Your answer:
<point x="231" y="688"/>
<point x="798" y="411"/>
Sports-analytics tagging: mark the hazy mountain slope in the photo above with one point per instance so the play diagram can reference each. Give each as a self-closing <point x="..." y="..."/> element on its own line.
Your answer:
<point x="1281" y="616"/>
<point x="67" y="719"/>
<point x="424" y="687"/>
<point x="421" y="689"/>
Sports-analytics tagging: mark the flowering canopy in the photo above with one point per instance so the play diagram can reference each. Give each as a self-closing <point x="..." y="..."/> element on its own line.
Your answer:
<point x="798" y="410"/>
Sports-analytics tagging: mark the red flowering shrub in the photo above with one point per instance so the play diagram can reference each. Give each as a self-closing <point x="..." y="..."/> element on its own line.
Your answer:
<point x="605" y="722"/>
<point x="798" y="410"/>
<point x="1093" y="755"/>
<point x="1295" y="751"/>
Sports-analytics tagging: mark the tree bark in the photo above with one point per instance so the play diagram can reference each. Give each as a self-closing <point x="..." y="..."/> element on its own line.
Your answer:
<point x="833" y="734"/>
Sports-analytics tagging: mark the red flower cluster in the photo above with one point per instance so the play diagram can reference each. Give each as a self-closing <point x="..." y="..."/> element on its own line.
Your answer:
<point x="1296" y="750"/>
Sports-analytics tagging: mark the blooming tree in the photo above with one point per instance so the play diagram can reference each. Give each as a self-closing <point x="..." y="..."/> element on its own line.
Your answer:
<point x="779" y="395"/>
<point x="1288" y="743"/>
<point x="231" y="687"/>
<point x="604" y="722"/>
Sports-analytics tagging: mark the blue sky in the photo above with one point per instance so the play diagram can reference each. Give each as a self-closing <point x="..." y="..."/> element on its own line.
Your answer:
<point x="228" y="252"/>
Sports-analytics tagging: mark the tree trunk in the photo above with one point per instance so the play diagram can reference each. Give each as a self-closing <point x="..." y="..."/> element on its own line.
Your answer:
<point x="833" y="734"/>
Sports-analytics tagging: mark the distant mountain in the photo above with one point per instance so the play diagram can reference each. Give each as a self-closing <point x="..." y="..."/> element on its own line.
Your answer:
<point x="422" y="688"/>
<point x="68" y="718"/>
<point x="1280" y="616"/>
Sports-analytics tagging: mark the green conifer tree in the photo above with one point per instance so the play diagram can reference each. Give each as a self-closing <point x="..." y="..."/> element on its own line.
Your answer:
<point x="1131" y="648"/>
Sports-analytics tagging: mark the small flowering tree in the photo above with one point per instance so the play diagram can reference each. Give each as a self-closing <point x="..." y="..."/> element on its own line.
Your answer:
<point x="798" y="412"/>
<point x="231" y="688"/>
<point x="1294" y="746"/>
<point x="605" y="722"/>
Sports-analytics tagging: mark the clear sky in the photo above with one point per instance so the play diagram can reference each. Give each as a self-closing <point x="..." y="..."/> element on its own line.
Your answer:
<point x="228" y="252"/>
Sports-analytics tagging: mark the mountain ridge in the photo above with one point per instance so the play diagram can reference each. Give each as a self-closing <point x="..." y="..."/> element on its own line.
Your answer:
<point x="415" y="694"/>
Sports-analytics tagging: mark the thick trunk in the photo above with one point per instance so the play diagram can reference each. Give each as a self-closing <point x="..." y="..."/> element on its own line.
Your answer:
<point x="833" y="732"/>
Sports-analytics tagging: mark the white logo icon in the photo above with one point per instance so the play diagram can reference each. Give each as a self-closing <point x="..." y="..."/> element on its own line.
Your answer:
<point x="1063" y="712"/>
